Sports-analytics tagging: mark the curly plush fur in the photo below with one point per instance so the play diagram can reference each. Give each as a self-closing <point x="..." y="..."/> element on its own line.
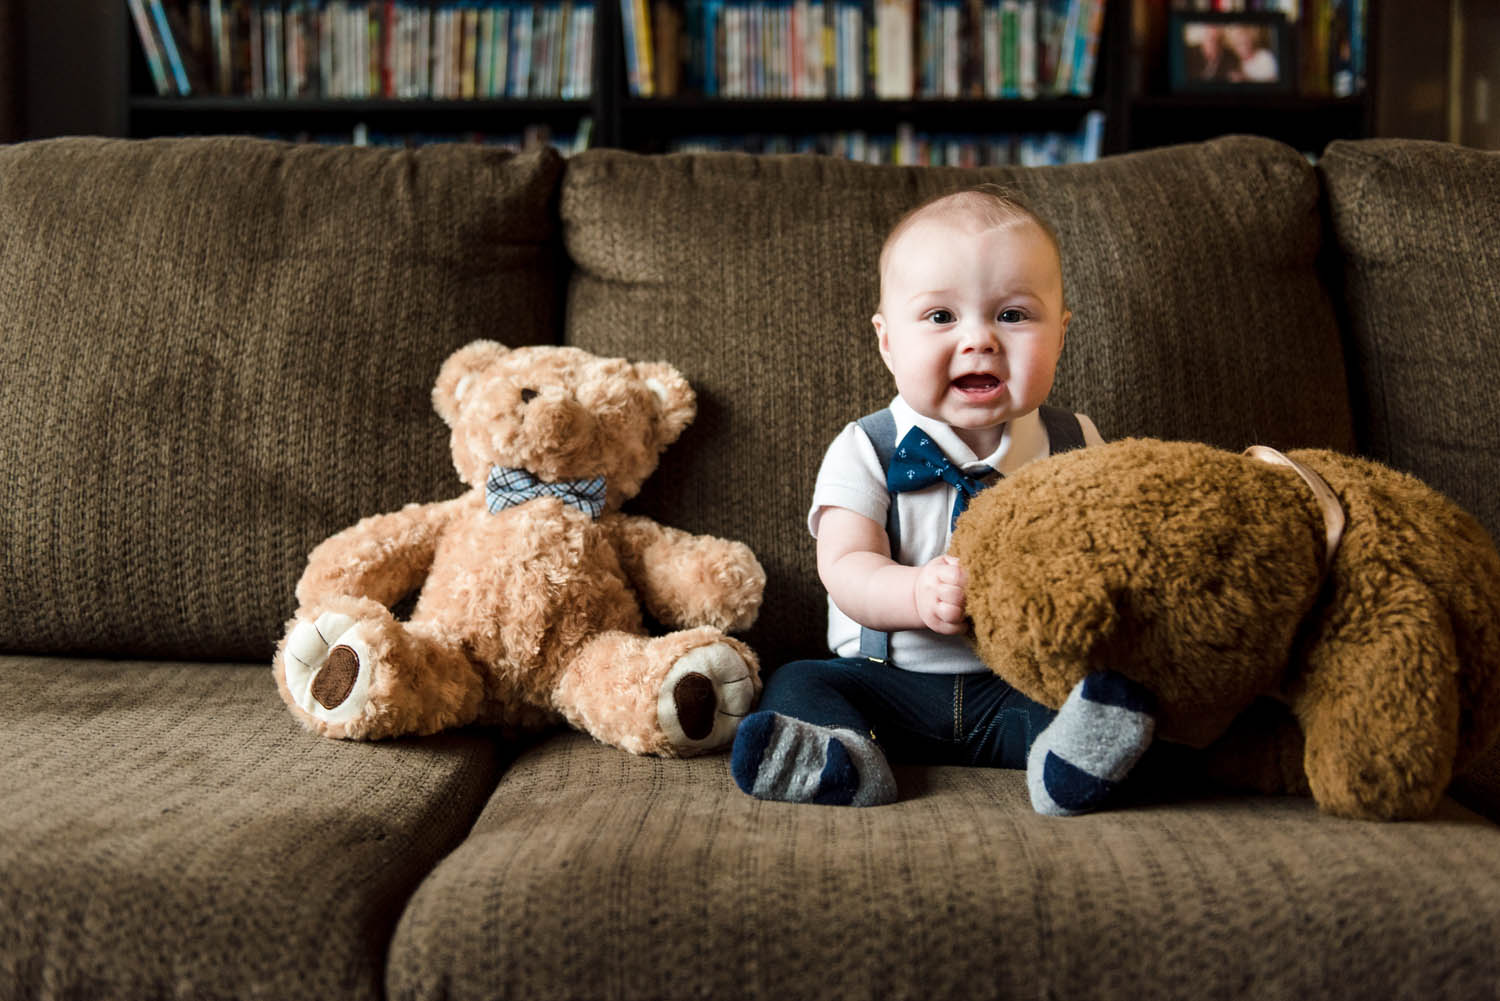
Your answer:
<point x="1197" y="573"/>
<point x="532" y="614"/>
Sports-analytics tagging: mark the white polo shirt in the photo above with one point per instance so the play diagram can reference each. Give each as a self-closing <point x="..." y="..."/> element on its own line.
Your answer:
<point x="851" y="478"/>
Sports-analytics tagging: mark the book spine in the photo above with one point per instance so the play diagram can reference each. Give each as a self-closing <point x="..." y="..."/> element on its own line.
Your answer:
<point x="170" y="49"/>
<point x="144" y="32"/>
<point x="643" y="50"/>
<point x="1026" y="48"/>
<point x="271" y="45"/>
<point x="1091" y="24"/>
<point x="468" y="50"/>
<point x="989" y="27"/>
<point x="1010" y="52"/>
<point x="525" y="32"/>
<point x="496" y="78"/>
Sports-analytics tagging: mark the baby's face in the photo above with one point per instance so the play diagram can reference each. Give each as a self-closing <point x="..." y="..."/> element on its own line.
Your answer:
<point x="971" y="323"/>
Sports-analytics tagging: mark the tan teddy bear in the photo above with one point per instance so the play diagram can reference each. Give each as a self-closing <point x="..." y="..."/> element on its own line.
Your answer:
<point x="1154" y="586"/>
<point x="532" y="583"/>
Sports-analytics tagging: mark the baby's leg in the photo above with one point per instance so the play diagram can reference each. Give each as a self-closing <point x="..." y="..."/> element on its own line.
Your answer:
<point x="1100" y="732"/>
<point x="810" y="743"/>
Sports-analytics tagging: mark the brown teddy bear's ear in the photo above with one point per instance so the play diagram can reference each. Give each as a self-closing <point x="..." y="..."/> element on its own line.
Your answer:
<point x="676" y="403"/>
<point x="458" y="372"/>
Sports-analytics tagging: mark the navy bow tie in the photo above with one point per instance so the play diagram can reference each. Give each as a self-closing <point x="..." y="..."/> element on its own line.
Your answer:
<point x="918" y="463"/>
<point x="506" y="487"/>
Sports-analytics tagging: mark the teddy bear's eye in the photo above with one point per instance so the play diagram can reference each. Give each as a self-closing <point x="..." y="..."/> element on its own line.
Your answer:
<point x="527" y="395"/>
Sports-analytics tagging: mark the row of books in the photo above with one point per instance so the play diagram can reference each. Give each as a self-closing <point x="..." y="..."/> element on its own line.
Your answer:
<point x="402" y="49"/>
<point x="890" y="49"/>
<point x="909" y="146"/>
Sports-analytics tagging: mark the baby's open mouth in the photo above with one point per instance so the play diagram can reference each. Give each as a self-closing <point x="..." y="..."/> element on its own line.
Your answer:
<point x="976" y="382"/>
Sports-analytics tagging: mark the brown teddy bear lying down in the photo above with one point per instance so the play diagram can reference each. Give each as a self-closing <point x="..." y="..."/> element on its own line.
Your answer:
<point x="1154" y="589"/>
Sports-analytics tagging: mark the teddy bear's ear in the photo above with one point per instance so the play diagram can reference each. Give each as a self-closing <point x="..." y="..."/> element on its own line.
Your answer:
<point x="676" y="403"/>
<point x="457" y="375"/>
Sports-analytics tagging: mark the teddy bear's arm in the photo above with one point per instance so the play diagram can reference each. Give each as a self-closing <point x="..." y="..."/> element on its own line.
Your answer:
<point x="687" y="580"/>
<point x="383" y="557"/>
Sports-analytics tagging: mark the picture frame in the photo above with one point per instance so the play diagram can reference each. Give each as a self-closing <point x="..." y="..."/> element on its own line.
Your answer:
<point x="1245" y="52"/>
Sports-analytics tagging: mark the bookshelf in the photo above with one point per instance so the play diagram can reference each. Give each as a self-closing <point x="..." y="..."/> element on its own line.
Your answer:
<point x="1129" y="105"/>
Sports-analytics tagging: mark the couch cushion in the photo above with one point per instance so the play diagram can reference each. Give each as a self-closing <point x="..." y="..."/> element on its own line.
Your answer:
<point x="1418" y="230"/>
<point x="1197" y="313"/>
<point x="595" y="874"/>
<point x="219" y="351"/>
<point x="169" y="831"/>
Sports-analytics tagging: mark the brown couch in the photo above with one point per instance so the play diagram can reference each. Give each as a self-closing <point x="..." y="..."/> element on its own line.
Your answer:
<point x="214" y="353"/>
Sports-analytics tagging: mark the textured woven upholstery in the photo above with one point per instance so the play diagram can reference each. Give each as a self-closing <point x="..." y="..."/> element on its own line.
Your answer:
<point x="593" y="875"/>
<point x="167" y="831"/>
<point x="218" y="352"/>
<point x="1418" y="236"/>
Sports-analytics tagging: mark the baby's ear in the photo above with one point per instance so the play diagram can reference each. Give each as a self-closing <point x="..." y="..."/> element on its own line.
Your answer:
<point x="457" y="375"/>
<point x="677" y="405"/>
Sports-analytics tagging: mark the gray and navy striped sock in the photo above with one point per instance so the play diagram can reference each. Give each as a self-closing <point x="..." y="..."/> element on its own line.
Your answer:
<point x="1099" y="734"/>
<point x="782" y="758"/>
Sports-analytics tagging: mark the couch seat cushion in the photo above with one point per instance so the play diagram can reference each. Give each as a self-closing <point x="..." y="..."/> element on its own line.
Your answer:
<point x="594" y="874"/>
<point x="167" y="830"/>
<point x="1418" y="230"/>
<point x="217" y="352"/>
<point x="1191" y="272"/>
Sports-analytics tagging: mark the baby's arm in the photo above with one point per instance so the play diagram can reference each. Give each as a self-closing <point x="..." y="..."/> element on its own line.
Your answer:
<point x="854" y="562"/>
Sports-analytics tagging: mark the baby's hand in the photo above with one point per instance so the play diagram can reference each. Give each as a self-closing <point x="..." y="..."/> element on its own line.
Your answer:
<point x="939" y="595"/>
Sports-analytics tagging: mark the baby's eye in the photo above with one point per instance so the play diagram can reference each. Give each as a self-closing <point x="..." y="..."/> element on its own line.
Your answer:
<point x="1012" y="316"/>
<point x="940" y="316"/>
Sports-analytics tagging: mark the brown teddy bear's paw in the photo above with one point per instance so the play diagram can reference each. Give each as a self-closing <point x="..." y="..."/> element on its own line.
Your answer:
<point x="703" y="698"/>
<point x="328" y="668"/>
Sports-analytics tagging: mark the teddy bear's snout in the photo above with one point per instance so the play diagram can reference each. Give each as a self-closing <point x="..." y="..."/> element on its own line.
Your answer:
<point x="557" y="419"/>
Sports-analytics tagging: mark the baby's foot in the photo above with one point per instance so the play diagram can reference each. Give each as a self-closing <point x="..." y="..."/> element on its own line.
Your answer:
<point x="1098" y="735"/>
<point x="781" y="758"/>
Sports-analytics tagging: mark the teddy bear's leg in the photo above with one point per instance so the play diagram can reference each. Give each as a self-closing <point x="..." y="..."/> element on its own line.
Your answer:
<point x="348" y="669"/>
<point x="1380" y="716"/>
<point x="675" y="695"/>
<point x="1098" y="735"/>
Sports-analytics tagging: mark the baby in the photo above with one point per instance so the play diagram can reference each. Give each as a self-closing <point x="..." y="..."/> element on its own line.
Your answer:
<point x="971" y="323"/>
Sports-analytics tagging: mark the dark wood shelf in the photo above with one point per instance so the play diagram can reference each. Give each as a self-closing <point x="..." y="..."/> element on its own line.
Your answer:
<point x="645" y="123"/>
<point x="212" y="114"/>
<point x="1308" y="123"/>
<point x="1294" y="103"/>
<point x="215" y="104"/>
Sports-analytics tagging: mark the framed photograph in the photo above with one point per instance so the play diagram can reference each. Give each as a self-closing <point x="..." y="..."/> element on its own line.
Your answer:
<point x="1247" y="52"/>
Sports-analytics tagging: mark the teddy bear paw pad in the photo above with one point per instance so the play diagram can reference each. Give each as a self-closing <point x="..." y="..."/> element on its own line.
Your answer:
<point x="703" y="698"/>
<point x="328" y="667"/>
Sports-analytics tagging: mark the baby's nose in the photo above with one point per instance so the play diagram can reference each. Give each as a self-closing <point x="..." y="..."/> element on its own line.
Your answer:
<point x="980" y="336"/>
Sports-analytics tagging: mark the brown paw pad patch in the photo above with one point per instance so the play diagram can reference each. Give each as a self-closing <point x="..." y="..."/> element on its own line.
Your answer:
<point x="336" y="680"/>
<point x="696" y="704"/>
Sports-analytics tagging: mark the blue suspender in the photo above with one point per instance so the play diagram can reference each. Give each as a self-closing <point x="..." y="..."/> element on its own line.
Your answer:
<point x="880" y="427"/>
<point x="1064" y="433"/>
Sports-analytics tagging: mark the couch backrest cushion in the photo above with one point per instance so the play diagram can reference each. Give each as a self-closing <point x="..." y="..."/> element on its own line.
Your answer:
<point x="1418" y="230"/>
<point x="217" y="352"/>
<point x="1197" y="313"/>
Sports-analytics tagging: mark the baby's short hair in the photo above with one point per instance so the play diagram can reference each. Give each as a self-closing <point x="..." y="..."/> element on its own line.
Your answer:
<point x="992" y="204"/>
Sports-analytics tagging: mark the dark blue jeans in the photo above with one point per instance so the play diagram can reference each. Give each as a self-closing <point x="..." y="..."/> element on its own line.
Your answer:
<point x="927" y="719"/>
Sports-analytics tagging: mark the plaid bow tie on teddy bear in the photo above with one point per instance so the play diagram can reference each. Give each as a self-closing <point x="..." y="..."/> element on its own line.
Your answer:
<point x="507" y="486"/>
